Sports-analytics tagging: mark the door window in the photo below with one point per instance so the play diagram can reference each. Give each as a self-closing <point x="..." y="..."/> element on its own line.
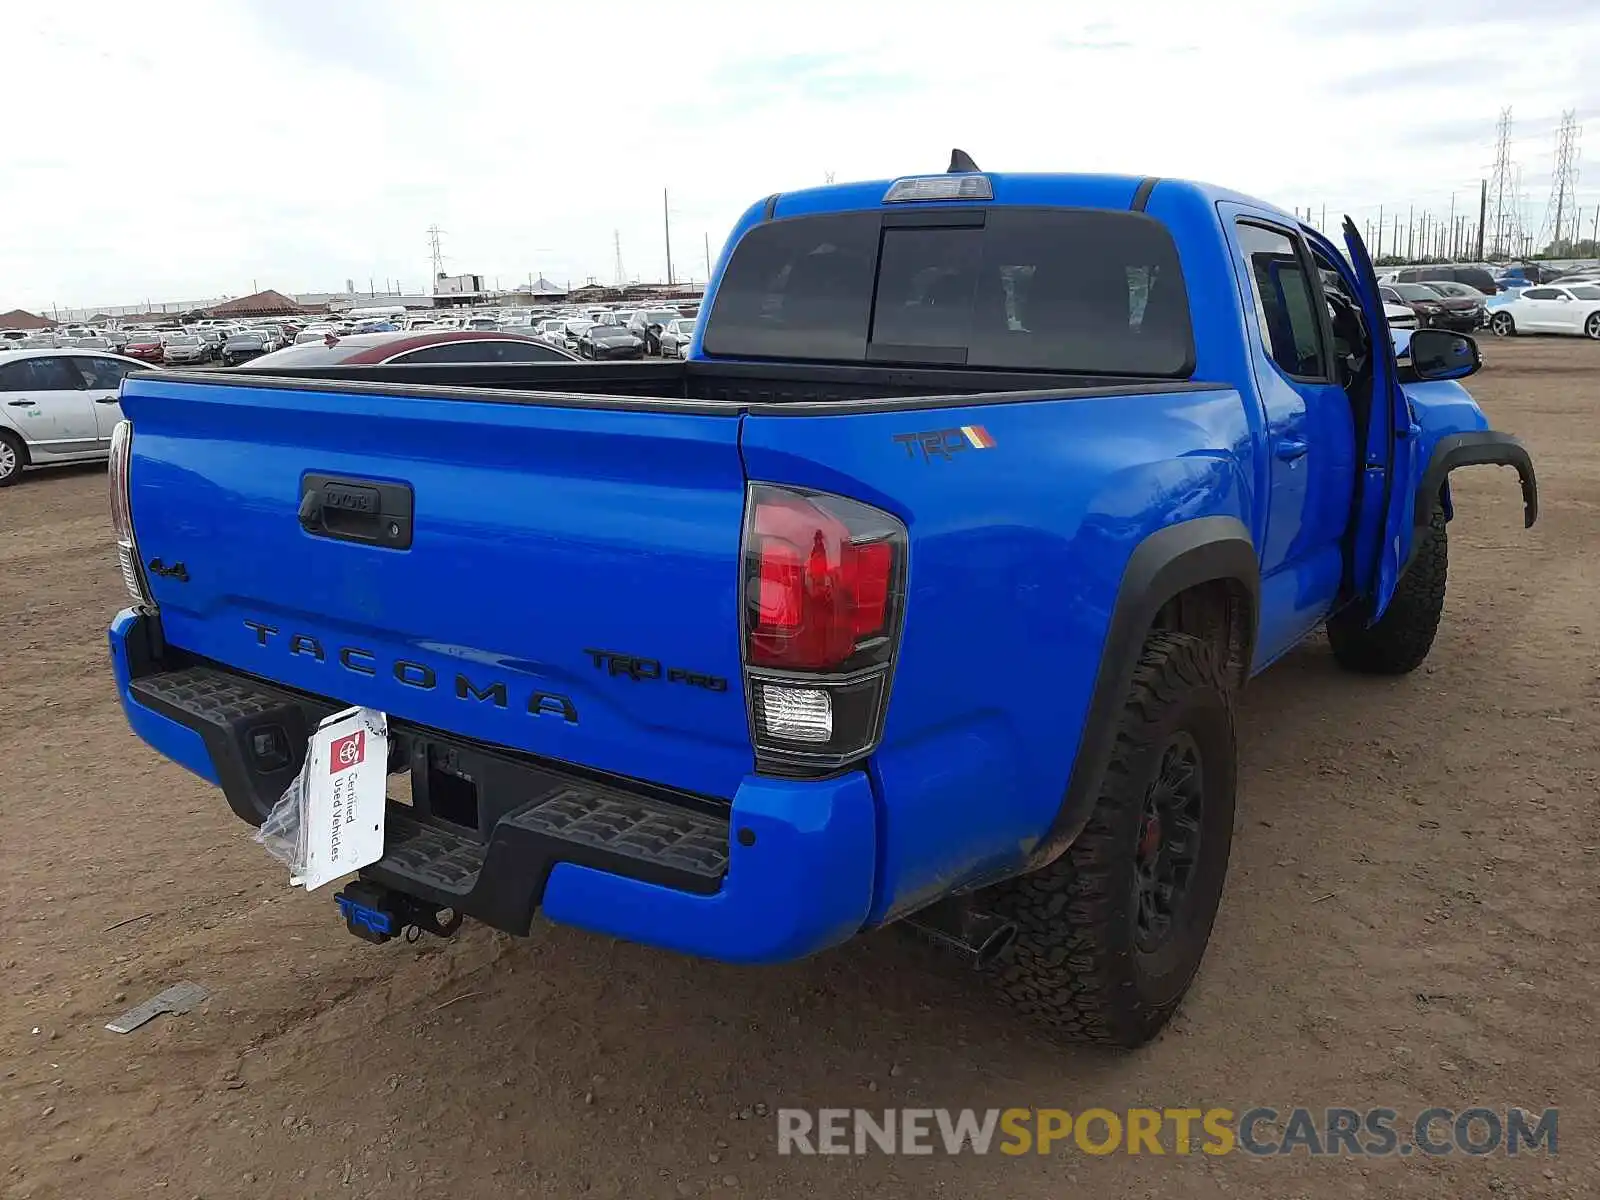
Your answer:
<point x="1540" y="294"/>
<point x="1286" y="304"/>
<point x="39" y="375"/>
<point x="104" y="373"/>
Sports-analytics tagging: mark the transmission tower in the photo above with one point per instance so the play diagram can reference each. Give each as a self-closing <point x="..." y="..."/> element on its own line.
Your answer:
<point x="1503" y="209"/>
<point x="616" y="240"/>
<point x="1564" y="183"/>
<point x="434" y="248"/>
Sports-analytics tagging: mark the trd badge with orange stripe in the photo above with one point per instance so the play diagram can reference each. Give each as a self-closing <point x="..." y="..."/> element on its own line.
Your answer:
<point x="943" y="444"/>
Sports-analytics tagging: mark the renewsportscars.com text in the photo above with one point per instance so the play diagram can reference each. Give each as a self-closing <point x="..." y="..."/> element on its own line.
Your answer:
<point x="1259" y="1131"/>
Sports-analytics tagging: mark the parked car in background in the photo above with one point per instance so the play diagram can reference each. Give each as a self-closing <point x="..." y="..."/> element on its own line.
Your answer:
<point x="1399" y="316"/>
<point x="1475" y="304"/>
<point x="414" y="347"/>
<point x="610" y="341"/>
<point x="1521" y="275"/>
<point x="675" y="338"/>
<point x="1430" y="307"/>
<point x="185" y="348"/>
<point x="1571" y="310"/>
<point x="57" y="406"/>
<point x="243" y="346"/>
<point x="1478" y="277"/>
<point x="574" y="330"/>
<point x="647" y="324"/>
<point x="146" y="346"/>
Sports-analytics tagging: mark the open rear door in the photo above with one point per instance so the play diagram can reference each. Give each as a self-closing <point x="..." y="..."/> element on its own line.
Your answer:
<point x="1391" y="459"/>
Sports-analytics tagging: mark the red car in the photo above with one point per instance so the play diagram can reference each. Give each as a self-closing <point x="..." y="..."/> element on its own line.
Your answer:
<point x="417" y="346"/>
<point x="146" y="347"/>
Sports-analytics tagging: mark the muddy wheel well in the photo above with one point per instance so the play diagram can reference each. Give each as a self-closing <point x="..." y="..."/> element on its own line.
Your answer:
<point x="1219" y="611"/>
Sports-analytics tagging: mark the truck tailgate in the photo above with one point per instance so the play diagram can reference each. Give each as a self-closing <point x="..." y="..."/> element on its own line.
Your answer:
<point x="569" y="586"/>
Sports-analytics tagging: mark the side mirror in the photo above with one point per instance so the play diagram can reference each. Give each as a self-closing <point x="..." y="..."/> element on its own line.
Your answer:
<point x="1564" y="298"/>
<point x="1439" y="354"/>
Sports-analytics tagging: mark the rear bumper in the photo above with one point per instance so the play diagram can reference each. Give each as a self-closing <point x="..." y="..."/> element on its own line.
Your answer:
<point x="784" y="870"/>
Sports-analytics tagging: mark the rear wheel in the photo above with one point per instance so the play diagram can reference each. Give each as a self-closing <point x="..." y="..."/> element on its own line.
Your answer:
<point x="13" y="457"/>
<point x="1591" y="327"/>
<point x="1502" y="324"/>
<point x="1402" y="637"/>
<point x="1110" y="935"/>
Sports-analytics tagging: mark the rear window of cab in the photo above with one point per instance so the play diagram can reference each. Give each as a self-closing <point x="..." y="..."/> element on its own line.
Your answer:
<point x="1074" y="290"/>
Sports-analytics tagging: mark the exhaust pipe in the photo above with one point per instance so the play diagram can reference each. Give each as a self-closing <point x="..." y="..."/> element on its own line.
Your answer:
<point x="979" y="937"/>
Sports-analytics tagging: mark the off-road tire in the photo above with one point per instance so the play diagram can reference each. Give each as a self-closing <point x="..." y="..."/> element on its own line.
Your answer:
<point x="1401" y="639"/>
<point x="18" y="458"/>
<point x="1075" y="966"/>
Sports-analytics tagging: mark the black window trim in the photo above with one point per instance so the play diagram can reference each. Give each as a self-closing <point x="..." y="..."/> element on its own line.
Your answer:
<point x="1313" y="276"/>
<point x="959" y="217"/>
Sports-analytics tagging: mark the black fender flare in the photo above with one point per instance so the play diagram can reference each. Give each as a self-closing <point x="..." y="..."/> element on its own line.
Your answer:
<point x="1478" y="447"/>
<point x="1169" y="561"/>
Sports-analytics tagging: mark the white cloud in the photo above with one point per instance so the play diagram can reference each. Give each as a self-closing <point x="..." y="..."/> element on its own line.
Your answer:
<point x="190" y="150"/>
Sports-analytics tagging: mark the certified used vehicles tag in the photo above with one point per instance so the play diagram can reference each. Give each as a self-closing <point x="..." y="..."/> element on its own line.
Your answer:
<point x="346" y="773"/>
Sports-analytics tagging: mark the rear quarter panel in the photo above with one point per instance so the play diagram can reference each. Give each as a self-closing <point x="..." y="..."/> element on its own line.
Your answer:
<point x="1016" y="555"/>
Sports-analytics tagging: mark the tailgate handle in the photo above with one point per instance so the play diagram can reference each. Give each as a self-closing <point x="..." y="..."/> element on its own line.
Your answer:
<point x="368" y="511"/>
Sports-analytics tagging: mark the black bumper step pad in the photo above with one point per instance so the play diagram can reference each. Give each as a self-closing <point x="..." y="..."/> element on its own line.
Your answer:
<point x="230" y="712"/>
<point x="632" y="826"/>
<point x="209" y="695"/>
<point x="502" y="881"/>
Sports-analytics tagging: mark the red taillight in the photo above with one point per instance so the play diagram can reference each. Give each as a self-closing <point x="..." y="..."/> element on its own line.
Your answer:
<point x="823" y="591"/>
<point x="819" y="589"/>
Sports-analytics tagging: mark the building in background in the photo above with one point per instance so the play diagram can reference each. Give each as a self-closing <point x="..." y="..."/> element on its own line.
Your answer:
<point x="19" y="319"/>
<point x="262" y="304"/>
<point x="457" y="289"/>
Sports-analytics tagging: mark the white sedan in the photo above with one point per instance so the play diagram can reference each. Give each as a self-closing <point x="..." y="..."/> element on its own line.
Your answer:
<point x="1572" y="310"/>
<point x="58" y="406"/>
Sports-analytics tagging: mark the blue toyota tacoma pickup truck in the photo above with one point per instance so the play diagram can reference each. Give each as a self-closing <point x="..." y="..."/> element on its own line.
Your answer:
<point x="922" y="592"/>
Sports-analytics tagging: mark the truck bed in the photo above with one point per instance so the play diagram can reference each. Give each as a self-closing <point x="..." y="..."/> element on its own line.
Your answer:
<point x="706" y="387"/>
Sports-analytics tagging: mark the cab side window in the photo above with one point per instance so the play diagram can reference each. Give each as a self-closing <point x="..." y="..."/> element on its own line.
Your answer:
<point x="1285" y="300"/>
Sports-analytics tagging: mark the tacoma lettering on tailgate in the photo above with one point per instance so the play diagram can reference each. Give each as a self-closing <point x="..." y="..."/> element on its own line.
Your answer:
<point x="415" y="674"/>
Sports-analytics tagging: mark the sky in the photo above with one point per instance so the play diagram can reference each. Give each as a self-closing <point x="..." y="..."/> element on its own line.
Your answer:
<point x="167" y="150"/>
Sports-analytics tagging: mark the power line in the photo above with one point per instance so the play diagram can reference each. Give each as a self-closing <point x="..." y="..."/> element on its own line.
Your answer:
<point x="1502" y="192"/>
<point x="438" y="254"/>
<point x="1564" y="181"/>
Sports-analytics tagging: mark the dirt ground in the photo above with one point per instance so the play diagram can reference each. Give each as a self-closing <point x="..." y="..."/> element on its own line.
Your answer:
<point x="1409" y="920"/>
